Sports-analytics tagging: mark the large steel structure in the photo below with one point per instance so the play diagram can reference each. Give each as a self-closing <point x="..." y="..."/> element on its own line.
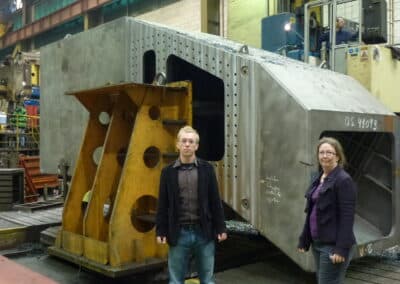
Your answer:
<point x="259" y="116"/>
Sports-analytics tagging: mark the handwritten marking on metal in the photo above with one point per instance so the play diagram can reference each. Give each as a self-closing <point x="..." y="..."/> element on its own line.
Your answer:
<point x="272" y="189"/>
<point x="369" y="249"/>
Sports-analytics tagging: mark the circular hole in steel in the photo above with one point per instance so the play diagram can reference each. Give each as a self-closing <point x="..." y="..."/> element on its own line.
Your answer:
<point x="151" y="157"/>
<point x="129" y="116"/>
<point x="96" y="156"/>
<point x="121" y="155"/>
<point x="143" y="213"/>
<point x="154" y="113"/>
<point x="244" y="70"/>
<point x="104" y="118"/>
<point x="245" y="203"/>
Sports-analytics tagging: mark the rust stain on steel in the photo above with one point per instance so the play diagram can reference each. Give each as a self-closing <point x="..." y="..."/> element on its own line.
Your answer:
<point x="388" y="123"/>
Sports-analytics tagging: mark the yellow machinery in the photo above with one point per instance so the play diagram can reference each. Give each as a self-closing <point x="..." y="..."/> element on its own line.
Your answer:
<point x="129" y="138"/>
<point x="374" y="67"/>
<point x="35" y="71"/>
<point x="3" y="29"/>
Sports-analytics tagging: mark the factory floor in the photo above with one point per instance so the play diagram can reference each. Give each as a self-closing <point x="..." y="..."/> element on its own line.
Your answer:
<point x="277" y="269"/>
<point x="272" y="272"/>
<point x="242" y="259"/>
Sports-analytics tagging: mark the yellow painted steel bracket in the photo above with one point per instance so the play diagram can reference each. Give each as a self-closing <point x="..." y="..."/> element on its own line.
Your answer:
<point x="129" y="138"/>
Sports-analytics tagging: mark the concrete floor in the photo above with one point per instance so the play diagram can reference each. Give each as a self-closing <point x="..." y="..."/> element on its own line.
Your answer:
<point x="66" y="273"/>
<point x="63" y="272"/>
<point x="276" y="270"/>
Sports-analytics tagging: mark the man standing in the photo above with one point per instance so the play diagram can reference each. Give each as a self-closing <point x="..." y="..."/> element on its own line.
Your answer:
<point x="190" y="214"/>
<point x="342" y="35"/>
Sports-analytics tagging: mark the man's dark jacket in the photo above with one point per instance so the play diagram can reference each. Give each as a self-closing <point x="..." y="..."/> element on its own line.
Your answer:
<point x="342" y="36"/>
<point x="212" y="220"/>
<point x="335" y="212"/>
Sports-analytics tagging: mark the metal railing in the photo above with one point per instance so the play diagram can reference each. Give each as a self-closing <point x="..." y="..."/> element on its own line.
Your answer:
<point x="332" y="8"/>
<point x="16" y="138"/>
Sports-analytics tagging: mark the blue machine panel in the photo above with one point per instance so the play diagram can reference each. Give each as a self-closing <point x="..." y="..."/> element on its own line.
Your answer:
<point x="274" y="37"/>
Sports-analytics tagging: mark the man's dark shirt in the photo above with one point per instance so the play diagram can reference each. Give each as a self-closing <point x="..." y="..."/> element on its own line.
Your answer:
<point x="188" y="195"/>
<point x="342" y="36"/>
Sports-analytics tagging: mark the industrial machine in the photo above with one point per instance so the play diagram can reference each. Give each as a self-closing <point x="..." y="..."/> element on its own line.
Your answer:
<point x="297" y="31"/>
<point x="284" y="34"/>
<point x="130" y="135"/>
<point x="259" y="115"/>
<point x="19" y="106"/>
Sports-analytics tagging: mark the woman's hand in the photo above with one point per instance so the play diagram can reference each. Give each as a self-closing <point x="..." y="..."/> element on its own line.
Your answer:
<point x="222" y="237"/>
<point x="301" y="250"/>
<point x="335" y="258"/>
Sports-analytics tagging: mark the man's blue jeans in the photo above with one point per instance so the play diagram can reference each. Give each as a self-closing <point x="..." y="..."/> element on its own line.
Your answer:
<point x="191" y="241"/>
<point x="326" y="271"/>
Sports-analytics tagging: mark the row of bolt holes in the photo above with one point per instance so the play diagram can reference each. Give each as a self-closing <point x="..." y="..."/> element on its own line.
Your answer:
<point x="244" y="69"/>
<point x="151" y="155"/>
<point x="151" y="158"/>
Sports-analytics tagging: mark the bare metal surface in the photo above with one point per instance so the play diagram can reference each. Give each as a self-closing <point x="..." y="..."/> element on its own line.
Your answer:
<point x="275" y="110"/>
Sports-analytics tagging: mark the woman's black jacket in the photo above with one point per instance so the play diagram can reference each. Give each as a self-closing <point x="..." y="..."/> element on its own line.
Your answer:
<point x="335" y="212"/>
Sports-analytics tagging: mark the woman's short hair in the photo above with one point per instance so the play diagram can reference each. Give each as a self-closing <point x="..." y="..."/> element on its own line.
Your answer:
<point x="338" y="149"/>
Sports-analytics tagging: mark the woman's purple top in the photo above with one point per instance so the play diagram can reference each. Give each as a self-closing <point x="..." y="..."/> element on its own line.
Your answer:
<point x="313" y="215"/>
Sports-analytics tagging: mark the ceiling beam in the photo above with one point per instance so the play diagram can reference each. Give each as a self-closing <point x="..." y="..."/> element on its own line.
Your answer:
<point x="50" y="21"/>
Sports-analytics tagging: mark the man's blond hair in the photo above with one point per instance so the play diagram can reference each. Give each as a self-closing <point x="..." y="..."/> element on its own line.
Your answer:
<point x="188" y="129"/>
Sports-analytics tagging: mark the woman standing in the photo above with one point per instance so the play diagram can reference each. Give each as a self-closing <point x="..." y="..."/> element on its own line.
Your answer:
<point x="330" y="210"/>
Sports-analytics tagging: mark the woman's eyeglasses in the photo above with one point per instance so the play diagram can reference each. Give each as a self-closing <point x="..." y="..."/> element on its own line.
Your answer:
<point x="326" y="153"/>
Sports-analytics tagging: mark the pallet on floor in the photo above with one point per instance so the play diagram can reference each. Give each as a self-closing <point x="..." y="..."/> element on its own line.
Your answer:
<point x="17" y="227"/>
